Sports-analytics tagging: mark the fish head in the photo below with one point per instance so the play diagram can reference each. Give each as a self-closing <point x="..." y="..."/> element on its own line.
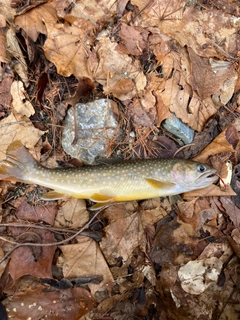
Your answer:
<point x="191" y="175"/>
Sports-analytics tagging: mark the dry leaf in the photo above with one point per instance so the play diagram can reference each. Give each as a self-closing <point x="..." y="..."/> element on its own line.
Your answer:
<point x="51" y="304"/>
<point x="72" y="213"/>
<point x="210" y="191"/>
<point x="114" y="67"/>
<point x="34" y="21"/>
<point x="122" y="237"/>
<point x="232" y="210"/>
<point x="5" y="96"/>
<point x="14" y="49"/>
<point x="131" y="41"/>
<point x="20" y="102"/>
<point x="7" y="12"/>
<point x="30" y="213"/>
<point x="196" y="276"/>
<point x="16" y="127"/>
<point x="180" y="22"/>
<point x="226" y="141"/>
<point x="3" y="54"/>
<point x="94" y="11"/>
<point x="205" y="80"/>
<point x="27" y="263"/>
<point x="68" y="51"/>
<point x="83" y="260"/>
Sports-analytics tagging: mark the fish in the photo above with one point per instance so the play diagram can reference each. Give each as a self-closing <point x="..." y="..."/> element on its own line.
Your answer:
<point x="104" y="184"/>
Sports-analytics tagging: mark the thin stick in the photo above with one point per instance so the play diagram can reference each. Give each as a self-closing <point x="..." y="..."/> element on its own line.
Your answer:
<point x="48" y="244"/>
<point x="224" y="52"/>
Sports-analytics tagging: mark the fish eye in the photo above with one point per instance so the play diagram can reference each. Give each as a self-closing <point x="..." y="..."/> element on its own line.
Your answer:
<point x="201" y="168"/>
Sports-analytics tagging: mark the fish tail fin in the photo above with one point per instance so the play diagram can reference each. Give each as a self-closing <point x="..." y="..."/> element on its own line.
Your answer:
<point x="17" y="163"/>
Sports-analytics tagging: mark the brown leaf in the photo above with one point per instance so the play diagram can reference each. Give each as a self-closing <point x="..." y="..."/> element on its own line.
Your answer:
<point x="164" y="245"/>
<point x="65" y="48"/>
<point x="16" y="127"/>
<point x="162" y="110"/>
<point x="139" y="116"/>
<point x="119" y="88"/>
<point x="234" y="241"/>
<point x="114" y="67"/>
<point x="83" y="91"/>
<point x="31" y="213"/>
<point x="3" y="55"/>
<point x="5" y="96"/>
<point x="31" y="22"/>
<point x="178" y="97"/>
<point x="55" y="304"/>
<point x="122" y="236"/>
<point x="121" y="5"/>
<point x="85" y="259"/>
<point x="23" y="262"/>
<point x="204" y="80"/>
<point x="15" y="50"/>
<point x="231" y="209"/>
<point x="224" y="142"/>
<point x="210" y="191"/>
<point x="72" y="213"/>
<point x="7" y="12"/>
<point x="20" y="103"/>
<point x="95" y="11"/>
<point x="131" y="41"/>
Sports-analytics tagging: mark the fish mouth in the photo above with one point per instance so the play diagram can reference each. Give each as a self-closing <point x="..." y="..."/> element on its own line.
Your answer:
<point x="210" y="175"/>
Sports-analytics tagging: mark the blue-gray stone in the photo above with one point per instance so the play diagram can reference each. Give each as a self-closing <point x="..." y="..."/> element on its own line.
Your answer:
<point x="96" y="127"/>
<point x="180" y="130"/>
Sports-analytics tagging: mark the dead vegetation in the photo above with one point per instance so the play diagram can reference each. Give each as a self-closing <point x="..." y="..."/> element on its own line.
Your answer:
<point x="144" y="260"/>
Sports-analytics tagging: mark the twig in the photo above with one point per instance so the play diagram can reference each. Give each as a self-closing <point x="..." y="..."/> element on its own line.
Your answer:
<point x="133" y="18"/>
<point x="90" y="234"/>
<point x="225" y="53"/>
<point x="183" y="147"/>
<point x="48" y="244"/>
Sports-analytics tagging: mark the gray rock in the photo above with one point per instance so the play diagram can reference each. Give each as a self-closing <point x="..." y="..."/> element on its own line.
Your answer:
<point x="96" y="127"/>
<point x="179" y="129"/>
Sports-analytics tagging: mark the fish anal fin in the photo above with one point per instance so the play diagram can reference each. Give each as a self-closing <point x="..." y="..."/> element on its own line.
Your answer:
<point x="98" y="206"/>
<point x="159" y="184"/>
<point x="52" y="195"/>
<point x="102" y="198"/>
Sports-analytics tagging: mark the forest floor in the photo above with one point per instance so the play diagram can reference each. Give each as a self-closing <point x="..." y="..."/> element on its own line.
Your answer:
<point x="136" y="260"/>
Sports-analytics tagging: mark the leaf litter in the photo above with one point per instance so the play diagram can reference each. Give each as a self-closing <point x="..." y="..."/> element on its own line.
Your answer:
<point x="148" y="259"/>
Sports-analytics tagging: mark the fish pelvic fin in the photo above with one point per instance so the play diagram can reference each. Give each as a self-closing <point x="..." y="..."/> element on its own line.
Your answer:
<point x="101" y="198"/>
<point x="17" y="164"/>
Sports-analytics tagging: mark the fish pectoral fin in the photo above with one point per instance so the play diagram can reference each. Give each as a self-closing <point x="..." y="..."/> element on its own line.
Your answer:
<point x="52" y="195"/>
<point x="174" y="199"/>
<point x="159" y="184"/>
<point x="102" y="198"/>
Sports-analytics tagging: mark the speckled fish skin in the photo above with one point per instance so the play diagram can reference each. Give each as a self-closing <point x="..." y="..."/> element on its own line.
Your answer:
<point x="126" y="181"/>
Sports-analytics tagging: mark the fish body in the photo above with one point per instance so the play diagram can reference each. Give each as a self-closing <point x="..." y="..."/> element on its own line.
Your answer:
<point x="125" y="181"/>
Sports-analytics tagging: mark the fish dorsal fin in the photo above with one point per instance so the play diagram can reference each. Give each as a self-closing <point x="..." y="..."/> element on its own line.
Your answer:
<point x="159" y="184"/>
<point x="52" y="195"/>
<point x="102" y="198"/>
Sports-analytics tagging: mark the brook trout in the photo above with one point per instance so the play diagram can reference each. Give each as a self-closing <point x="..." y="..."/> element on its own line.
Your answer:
<point x="103" y="184"/>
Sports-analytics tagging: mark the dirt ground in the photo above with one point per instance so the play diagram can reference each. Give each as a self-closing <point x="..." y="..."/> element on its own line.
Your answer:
<point x="146" y="259"/>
